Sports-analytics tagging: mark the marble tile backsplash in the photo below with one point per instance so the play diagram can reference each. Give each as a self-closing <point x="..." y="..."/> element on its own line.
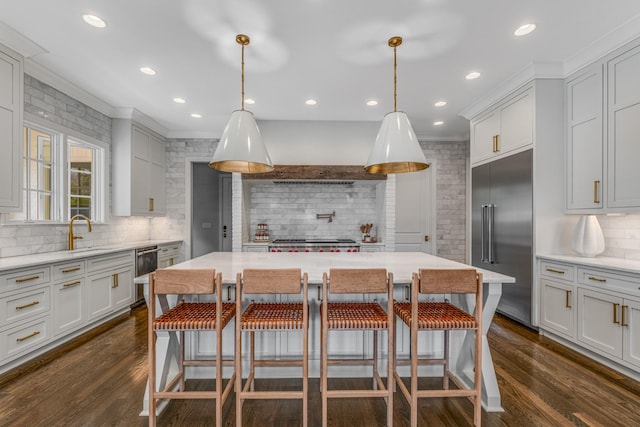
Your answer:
<point x="290" y="209"/>
<point x="621" y="236"/>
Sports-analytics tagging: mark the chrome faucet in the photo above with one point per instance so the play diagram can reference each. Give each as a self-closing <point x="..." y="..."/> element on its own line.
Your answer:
<point x="71" y="236"/>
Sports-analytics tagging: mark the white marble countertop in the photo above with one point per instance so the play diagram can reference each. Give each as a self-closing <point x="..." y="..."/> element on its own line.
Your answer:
<point x="10" y="263"/>
<point x="401" y="264"/>
<point x="619" y="264"/>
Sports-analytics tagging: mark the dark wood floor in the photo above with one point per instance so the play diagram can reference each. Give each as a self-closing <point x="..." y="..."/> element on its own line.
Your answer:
<point x="100" y="382"/>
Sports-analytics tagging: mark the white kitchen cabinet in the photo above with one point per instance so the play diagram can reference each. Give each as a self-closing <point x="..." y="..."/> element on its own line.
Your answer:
<point x="11" y="112"/>
<point x="595" y="308"/>
<point x="25" y="337"/>
<point x="109" y="283"/>
<point x="169" y="255"/>
<point x="623" y="120"/>
<point x="585" y="143"/>
<point x="20" y="306"/>
<point x="503" y="130"/>
<point x="557" y="307"/>
<point x="69" y="302"/>
<point x="372" y="247"/>
<point x="138" y="170"/>
<point x="122" y="288"/>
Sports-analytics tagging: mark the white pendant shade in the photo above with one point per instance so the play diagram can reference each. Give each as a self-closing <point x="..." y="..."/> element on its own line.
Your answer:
<point x="396" y="149"/>
<point x="241" y="148"/>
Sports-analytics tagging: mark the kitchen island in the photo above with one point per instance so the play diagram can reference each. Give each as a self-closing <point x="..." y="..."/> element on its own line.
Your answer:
<point x="401" y="264"/>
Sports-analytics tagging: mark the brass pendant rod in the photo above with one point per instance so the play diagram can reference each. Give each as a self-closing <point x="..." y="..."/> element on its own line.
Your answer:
<point x="395" y="81"/>
<point x="243" y="77"/>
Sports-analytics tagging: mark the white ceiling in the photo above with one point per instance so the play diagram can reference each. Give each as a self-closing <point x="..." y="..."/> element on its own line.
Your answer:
<point x="332" y="50"/>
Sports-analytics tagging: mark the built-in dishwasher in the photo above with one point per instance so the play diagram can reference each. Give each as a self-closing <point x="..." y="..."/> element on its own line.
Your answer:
<point x="146" y="262"/>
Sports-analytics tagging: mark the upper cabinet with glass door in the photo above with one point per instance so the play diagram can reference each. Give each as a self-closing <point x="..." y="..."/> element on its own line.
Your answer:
<point x="11" y="111"/>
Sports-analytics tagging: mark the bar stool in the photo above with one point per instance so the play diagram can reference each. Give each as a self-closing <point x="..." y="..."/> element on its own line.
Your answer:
<point x="271" y="316"/>
<point x="187" y="317"/>
<point x="444" y="316"/>
<point x="365" y="316"/>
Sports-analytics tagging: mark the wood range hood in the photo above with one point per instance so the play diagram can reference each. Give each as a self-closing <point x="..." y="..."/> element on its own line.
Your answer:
<point x="316" y="174"/>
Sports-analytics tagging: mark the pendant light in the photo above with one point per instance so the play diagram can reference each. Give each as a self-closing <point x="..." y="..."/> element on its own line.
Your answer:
<point x="241" y="148"/>
<point x="396" y="149"/>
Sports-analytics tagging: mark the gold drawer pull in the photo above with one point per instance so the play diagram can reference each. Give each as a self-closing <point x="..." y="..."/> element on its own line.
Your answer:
<point x="553" y="270"/>
<point x="70" y="270"/>
<point x="567" y="302"/>
<point x="151" y="204"/>
<point x="624" y="309"/>
<point x="27" y="279"/>
<point x="115" y="281"/>
<point x="31" y="335"/>
<point x="31" y="304"/>
<point x="67" y="285"/>
<point x="596" y="184"/>
<point x="597" y="279"/>
<point x="615" y="313"/>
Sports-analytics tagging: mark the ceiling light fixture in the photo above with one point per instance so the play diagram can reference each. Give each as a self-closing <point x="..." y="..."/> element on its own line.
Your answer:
<point x="241" y="148"/>
<point x="179" y="101"/>
<point x="525" y="29"/>
<point x="196" y="115"/>
<point x="94" y="20"/>
<point x="438" y="123"/>
<point x="372" y="103"/>
<point x="472" y="75"/>
<point x="250" y="101"/>
<point x="440" y="103"/>
<point x="396" y="148"/>
<point x="311" y="102"/>
<point x="148" y="71"/>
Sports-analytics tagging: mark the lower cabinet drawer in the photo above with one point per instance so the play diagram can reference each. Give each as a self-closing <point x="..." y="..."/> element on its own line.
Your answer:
<point x="22" y="306"/>
<point x="609" y="280"/>
<point x="26" y="337"/>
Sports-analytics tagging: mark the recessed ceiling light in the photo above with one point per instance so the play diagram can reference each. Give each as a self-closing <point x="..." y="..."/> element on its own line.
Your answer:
<point x="311" y="102"/>
<point x="94" y="20"/>
<point x="525" y="29"/>
<point x="438" y="123"/>
<point x="196" y="115"/>
<point x="440" y="103"/>
<point x="250" y="101"/>
<point x="179" y="100"/>
<point x="472" y="75"/>
<point x="148" y="71"/>
<point x="372" y="103"/>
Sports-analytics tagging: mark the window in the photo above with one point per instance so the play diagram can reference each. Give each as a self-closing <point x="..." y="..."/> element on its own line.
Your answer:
<point x="63" y="176"/>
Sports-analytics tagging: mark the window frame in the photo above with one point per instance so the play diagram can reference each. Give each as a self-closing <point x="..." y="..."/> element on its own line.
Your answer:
<point x="60" y="174"/>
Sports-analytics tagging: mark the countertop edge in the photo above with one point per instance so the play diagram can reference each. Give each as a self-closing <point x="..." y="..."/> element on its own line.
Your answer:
<point x="23" y="261"/>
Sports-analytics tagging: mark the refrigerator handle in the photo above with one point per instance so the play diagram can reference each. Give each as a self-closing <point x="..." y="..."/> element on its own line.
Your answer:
<point x="483" y="223"/>
<point x="490" y="211"/>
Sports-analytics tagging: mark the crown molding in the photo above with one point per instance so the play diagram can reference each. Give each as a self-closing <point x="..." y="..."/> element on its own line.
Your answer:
<point x="140" y="118"/>
<point x="45" y="75"/>
<point x="19" y="43"/>
<point x="620" y="36"/>
<point x="540" y="70"/>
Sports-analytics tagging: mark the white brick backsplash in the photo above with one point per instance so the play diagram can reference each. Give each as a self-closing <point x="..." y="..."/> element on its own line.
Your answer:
<point x="621" y="236"/>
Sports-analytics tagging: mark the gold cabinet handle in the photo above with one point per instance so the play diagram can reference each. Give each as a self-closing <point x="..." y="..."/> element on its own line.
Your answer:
<point x="596" y="184"/>
<point x="615" y="313"/>
<point x="31" y="335"/>
<point x="31" y="304"/>
<point x="497" y="143"/>
<point x="70" y="270"/>
<point x="150" y="204"/>
<point x="68" y="285"/>
<point x="407" y="294"/>
<point x="115" y="281"/>
<point x="553" y="270"/>
<point x="622" y="315"/>
<point x="170" y="261"/>
<point x="493" y="141"/>
<point x="27" y="279"/>
<point x="567" y="301"/>
<point x="596" y="279"/>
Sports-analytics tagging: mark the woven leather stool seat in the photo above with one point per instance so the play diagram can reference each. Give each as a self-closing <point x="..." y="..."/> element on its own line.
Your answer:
<point x="436" y="315"/>
<point x="194" y="316"/>
<point x="260" y="316"/>
<point x="355" y="315"/>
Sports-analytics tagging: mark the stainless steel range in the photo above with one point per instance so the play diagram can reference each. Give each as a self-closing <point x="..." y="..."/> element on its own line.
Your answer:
<point x="314" y="245"/>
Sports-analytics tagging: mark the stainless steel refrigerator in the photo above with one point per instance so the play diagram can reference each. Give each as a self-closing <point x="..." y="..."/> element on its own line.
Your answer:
<point x="502" y="228"/>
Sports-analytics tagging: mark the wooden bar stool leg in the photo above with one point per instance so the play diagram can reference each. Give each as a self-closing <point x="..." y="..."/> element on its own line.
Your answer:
<point x="324" y="366"/>
<point x="375" y="359"/>
<point x="181" y="361"/>
<point x="445" y="378"/>
<point x="252" y="369"/>
<point x="414" y="375"/>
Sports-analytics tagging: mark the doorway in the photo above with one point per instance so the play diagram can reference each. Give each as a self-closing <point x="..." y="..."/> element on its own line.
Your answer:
<point x="209" y="210"/>
<point x="415" y="211"/>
